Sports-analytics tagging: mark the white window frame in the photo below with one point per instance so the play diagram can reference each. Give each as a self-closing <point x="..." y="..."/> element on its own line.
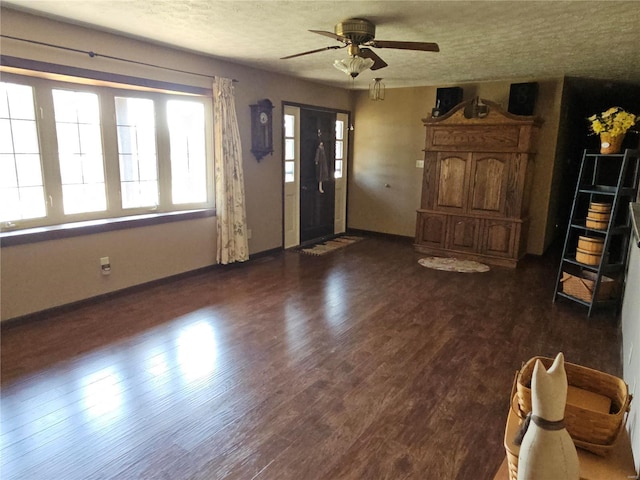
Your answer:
<point x="45" y="116"/>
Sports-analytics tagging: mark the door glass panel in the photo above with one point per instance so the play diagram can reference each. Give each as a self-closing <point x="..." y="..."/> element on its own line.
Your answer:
<point x="289" y="126"/>
<point x="289" y="148"/>
<point x="289" y="171"/>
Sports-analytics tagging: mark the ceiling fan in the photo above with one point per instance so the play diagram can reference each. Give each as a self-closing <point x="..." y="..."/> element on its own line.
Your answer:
<point x="358" y="34"/>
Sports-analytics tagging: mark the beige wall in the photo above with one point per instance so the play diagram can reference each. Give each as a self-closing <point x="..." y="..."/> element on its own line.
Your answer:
<point x="389" y="138"/>
<point x="47" y="274"/>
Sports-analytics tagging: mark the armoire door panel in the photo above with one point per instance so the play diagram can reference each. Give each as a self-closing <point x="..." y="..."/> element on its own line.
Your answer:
<point x="489" y="175"/>
<point x="463" y="233"/>
<point x="452" y="182"/>
<point x="431" y="229"/>
<point x="499" y="238"/>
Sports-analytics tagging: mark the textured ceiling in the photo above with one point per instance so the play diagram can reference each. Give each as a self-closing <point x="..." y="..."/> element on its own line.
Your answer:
<point x="479" y="40"/>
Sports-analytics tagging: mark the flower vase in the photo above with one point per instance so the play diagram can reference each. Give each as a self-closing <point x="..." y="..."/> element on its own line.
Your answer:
<point x="610" y="143"/>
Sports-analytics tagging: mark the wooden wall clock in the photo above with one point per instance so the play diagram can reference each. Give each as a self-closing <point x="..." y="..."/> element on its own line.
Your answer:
<point x="262" y="128"/>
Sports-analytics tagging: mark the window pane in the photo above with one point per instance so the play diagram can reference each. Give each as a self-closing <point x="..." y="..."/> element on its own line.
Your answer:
<point x="135" y="118"/>
<point x="25" y="138"/>
<point x="289" y="125"/>
<point x="147" y="168"/>
<point x="65" y="106"/>
<point x="78" y="131"/>
<point x="148" y="193"/>
<point x="29" y="170"/>
<point x="338" y="170"/>
<point x="4" y="100"/>
<point x="32" y="202"/>
<point x="88" y="108"/>
<point x="18" y="103"/>
<point x="8" y="174"/>
<point x="289" y="149"/>
<point x="187" y="144"/>
<point x="70" y="168"/>
<point x="92" y="170"/>
<point x="68" y="138"/>
<point x="339" y="147"/>
<point x="289" y="174"/>
<point x="339" y="129"/>
<point x="83" y="198"/>
<point x="6" y="143"/>
<point x="90" y="139"/>
<point x="9" y="204"/>
<point x="128" y="170"/>
<point x="21" y="184"/>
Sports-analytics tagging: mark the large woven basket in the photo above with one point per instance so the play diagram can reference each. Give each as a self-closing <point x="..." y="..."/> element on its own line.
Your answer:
<point x="581" y="286"/>
<point x="591" y="430"/>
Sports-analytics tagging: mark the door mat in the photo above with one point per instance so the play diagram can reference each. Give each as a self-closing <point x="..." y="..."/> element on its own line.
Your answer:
<point x="330" y="245"/>
<point x="453" y="265"/>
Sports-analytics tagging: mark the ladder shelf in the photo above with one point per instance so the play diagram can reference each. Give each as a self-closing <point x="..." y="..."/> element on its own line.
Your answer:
<point x="599" y="221"/>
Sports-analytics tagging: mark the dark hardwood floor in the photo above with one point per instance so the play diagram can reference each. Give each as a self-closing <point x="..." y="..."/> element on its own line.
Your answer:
<point x="360" y="364"/>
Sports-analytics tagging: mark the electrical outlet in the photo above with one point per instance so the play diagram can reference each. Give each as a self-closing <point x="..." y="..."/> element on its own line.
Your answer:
<point x="105" y="265"/>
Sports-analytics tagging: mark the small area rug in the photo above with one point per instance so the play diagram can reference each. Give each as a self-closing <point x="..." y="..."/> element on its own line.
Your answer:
<point x="453" y="265"/>
<point x="330" y="245"/>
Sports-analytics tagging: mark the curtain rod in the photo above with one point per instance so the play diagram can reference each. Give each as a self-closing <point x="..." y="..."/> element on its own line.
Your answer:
<point x="110" y="57"/>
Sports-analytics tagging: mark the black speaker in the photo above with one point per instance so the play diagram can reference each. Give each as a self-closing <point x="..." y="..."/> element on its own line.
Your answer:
<point x="447" y="98"/>
<point x="522" y="98"/>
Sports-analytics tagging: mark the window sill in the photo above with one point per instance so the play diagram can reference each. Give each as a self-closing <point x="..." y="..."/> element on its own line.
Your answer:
<point x="75" y="229"/>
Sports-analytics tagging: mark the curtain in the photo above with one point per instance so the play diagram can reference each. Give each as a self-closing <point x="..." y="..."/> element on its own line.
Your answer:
<point x="232" y="245"/>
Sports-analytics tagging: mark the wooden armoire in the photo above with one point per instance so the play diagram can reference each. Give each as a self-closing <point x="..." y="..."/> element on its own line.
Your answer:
<point x="476" y="184"/>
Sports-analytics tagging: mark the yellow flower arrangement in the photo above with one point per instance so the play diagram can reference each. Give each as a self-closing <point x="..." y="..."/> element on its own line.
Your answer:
<point x="614" y="121"/>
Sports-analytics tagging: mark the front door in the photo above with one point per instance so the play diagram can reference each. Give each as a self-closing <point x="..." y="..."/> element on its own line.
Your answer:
<point x="317" y="184"/>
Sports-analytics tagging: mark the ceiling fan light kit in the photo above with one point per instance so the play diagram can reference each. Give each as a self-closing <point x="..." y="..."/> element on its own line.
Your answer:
<point x="353" y="66"/>
<point x="359" y="32"/>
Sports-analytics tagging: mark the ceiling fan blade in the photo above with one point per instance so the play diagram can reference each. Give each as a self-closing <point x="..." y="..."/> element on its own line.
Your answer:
<point x="423" y="46"/>
<point x="378" y="63"/>
<point x="331" y="35"/>
<point x="333" y="47"/>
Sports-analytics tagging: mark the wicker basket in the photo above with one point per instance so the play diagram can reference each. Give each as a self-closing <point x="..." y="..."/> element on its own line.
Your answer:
<point x="591" y="430"/>
<point x="582" y="286"/>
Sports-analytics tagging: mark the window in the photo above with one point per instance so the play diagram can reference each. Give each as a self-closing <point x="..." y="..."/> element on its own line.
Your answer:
<point x="77" y="117"/>
<point x="289" y="148"/>
<point x="337" y="171"/>
<point x="21" y="183"/>
<point x="188" y="160"/>
<point x="71" y="152"/>
<point x="138" y="160"/>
